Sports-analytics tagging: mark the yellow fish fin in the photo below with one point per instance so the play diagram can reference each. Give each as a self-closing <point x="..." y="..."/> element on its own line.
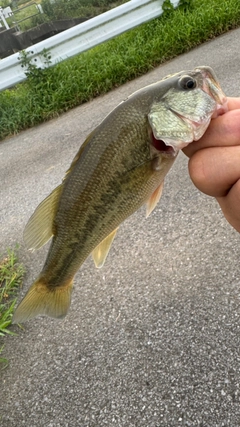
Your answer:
<point x="39" y="228"/>
<point x="154" y="199"/>
<point x="44" y="300"/>
<point x="100" y="253"/>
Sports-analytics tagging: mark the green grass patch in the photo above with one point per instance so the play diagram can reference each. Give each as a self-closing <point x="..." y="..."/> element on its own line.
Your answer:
<point x="49" y="92"/>
<point x="11" y="276"/>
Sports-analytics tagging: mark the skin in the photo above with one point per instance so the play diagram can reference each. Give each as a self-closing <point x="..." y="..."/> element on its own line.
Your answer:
<point x="214" y="162"/>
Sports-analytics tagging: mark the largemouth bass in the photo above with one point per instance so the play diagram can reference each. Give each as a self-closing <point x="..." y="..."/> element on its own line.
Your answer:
<point x="120" y="167"/>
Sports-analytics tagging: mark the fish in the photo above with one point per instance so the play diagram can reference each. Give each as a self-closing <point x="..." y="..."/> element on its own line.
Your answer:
<point x="120" y="167"/>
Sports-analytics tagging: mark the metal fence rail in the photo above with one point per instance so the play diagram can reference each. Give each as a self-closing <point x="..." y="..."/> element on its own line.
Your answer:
<point x="82" y="37"/>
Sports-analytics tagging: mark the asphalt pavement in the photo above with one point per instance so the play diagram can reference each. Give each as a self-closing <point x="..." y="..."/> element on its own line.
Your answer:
<point x="151" y="339"/>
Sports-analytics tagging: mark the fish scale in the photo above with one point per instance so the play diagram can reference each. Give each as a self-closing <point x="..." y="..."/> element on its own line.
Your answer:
<point x="109" y="208"/>
<point x="120" y="167"/>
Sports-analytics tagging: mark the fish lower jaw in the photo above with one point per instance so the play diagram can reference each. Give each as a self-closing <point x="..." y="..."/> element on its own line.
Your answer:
<point x="195" y="132"/>
<point x="176" y="145"/>
<point x="173" y="152"/>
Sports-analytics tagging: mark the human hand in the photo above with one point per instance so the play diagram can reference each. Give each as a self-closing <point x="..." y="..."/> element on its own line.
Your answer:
<point x="214" y="164"/>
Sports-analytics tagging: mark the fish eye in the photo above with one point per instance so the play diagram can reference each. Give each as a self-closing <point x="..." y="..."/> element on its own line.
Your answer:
<point x="187" y="82"/>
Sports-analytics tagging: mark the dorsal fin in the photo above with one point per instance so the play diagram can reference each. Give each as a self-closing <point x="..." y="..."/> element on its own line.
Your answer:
<point x="39" y="228"/>
<point x="100" y="253"/>
<point x="154" y="199"/>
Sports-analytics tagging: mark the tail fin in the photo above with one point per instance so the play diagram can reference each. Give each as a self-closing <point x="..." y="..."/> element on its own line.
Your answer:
<point x="43" y="300"/>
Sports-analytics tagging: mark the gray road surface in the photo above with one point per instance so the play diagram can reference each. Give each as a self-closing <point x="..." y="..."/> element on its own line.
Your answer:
<point x="153" y="338"/>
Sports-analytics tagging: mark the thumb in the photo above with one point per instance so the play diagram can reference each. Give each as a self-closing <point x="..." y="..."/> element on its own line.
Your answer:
<point x="215" y="170"/>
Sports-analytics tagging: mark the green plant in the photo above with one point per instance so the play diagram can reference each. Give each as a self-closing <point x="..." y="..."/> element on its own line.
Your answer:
<point x="32" y="71"/>
<point x="3" y="360"/>
<point x="50" y="91"/>
<point x="11" y="275"/>
<point x="185" y="4"/>
<point x="167" y="8"/>
<point x="5" y="3"/>
<point x="60" y="9"/>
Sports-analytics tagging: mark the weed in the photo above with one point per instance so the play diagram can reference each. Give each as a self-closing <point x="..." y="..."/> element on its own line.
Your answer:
<point x="11" y="275"/>
<point x="167" y="8"/>
<point x="185" y="4"/>
<point x="32" y="71"/>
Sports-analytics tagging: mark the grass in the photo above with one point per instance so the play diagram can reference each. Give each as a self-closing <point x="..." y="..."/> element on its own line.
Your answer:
<point x="26" y="16"/>
<point x="47" y="93"/>
<point x="11" y="275"/>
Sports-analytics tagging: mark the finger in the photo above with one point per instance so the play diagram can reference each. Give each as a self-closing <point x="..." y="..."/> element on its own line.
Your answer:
<point x="215" y="170"/>
<point x="230" y="205"/>
<point x="233" y="103"/>
<point x="223" y="131"/>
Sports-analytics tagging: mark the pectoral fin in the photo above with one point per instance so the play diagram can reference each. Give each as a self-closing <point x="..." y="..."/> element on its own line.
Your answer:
<point x="154" y="199"/>
<point x="100" y="253"/>
<point x="39" y="228"/>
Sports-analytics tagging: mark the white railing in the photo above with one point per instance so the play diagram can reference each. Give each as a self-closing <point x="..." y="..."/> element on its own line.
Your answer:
<point x="82" y="37"/>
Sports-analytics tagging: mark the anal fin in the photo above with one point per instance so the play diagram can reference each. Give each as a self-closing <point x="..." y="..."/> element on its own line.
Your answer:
<point x="100" y="253"/>
<point x="154" y="199"/>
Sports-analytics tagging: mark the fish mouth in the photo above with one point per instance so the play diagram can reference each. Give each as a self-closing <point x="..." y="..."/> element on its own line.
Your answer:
<point x="192" y="123"/>
<point x="162" y="147"/>
<point x="212" y="87"/>
<point x="170" y="147"/>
